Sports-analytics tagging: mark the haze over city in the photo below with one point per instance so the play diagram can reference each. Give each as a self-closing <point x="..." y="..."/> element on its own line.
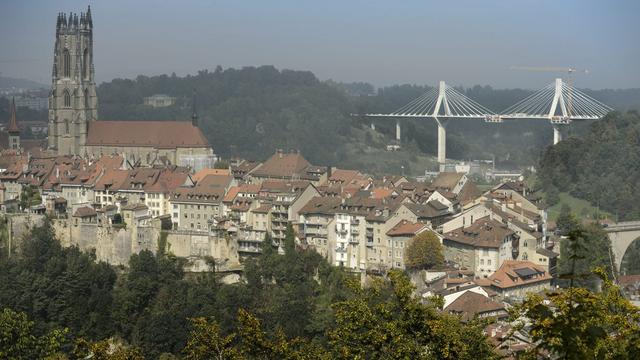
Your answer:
<point x="319" y="180"/>
<point x="463" y="42"/>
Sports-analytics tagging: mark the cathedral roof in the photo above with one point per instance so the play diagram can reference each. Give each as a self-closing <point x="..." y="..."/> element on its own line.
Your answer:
<point x="159" y="134"/>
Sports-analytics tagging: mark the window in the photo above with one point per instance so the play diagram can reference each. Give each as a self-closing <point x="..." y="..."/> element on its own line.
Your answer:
<point x="485" y="252"/>
<point x="67" y="98"/>
<point x="66" y="63"/>
<point x="489" y="262"/>
<point x="85" y="65"/>
<point x="525" y="256"/>
<point x="481" y="261"/>
<point x="66" y="126"/>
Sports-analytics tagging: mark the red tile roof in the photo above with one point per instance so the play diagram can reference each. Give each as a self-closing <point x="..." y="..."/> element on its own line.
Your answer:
<point x="447" y="180"/>
<point x="484" y="232"/>
<point x="85" y="211"/>
<point x="471" y="304"/>
<point x="406" y="228"/>
<point x="282" y="165"/>
<point x="514" y="273"/>
<point x="160" y="134"/>
<point x="204" y="172"/>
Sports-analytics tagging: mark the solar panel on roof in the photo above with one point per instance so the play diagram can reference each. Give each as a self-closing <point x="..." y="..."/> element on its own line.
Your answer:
<point x="525" y="272"/>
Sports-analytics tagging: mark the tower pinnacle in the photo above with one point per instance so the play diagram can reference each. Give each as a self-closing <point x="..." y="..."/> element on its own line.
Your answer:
<point x="13" y="124"/>
<point x="194" y="114"/>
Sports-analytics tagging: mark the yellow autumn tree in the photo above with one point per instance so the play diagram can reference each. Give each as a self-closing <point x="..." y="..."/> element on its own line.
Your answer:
<point x="424" y="251"/>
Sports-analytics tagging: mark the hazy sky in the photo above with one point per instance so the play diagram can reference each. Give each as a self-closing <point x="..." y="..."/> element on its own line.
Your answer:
<point x="382" y="42"/>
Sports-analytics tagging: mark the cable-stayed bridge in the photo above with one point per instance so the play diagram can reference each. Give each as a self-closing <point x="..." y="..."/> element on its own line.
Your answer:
<point x="558" y="102"/>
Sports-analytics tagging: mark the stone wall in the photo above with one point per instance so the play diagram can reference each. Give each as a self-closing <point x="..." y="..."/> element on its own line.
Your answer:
<point x="116" y="244"/>
<point x="195" y="245"/>
<point x="20" y="226"/>
<point x="112" y="244"/>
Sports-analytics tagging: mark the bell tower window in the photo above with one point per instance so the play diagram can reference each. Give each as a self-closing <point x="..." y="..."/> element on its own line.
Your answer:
<point x="86" y="99"/>
<point x="67" y="99"/>
<point x="85" y="65"/>
<point x="66" y="61"/>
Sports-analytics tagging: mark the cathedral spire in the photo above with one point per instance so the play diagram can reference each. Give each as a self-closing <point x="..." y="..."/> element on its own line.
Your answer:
<point x="89" y="16"/>
<point x="194" y="114"/>
<point x="13" y="124"/>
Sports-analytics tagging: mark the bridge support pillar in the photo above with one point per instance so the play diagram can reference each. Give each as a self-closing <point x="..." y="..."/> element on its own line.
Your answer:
<point x="557" y="135"/>
<point x="442" y="141"/>
<point x="398" y="130"/>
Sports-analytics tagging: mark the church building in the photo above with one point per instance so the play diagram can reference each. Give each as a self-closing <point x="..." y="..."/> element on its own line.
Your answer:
<point x="74" y="128"/>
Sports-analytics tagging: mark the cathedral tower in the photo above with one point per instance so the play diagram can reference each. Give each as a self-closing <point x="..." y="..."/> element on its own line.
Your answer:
<point x="72" y="100"/>
<point x="13" y="130"/>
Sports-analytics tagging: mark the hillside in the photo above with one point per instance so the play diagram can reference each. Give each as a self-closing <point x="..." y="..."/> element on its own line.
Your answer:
<point x="13" y="83"/>
<point x="602" y="167"/>
<point x="249" y="112"/>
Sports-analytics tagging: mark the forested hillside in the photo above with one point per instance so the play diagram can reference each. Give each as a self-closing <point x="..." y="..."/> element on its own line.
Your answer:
<point x="250" y="112"/>
<point x="293" y="306"/>
<point x="602" y="166"/>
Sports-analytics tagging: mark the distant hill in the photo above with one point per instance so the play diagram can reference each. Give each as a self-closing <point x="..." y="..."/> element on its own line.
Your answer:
<point x="9" y="82"/>
<point x="250" y="112"/>
<point x="602" y="167"/>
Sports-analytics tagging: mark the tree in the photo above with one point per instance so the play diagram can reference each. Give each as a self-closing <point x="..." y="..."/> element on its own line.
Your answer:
<point x="372" y="325"/>
<point x="424" y="251"/>
<point x="579" y="324"/>
<point x="18" y="340"/>
<point x="105" y="350"/>
<point x="566" y="221"/>
<point x="589" y="248"/>
<point x="206" y="342"/>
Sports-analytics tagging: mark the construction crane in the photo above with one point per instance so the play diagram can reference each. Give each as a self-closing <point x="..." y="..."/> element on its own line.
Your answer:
<point x="568" y="70"/>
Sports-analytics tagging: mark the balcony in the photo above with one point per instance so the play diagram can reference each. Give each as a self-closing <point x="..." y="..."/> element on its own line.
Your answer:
<point x="354" y="241"/>
<point x="355" y="231"/>
<point x="370" y="243"/>
<point x="340" y="249"/>
<point x="341" y="231"/>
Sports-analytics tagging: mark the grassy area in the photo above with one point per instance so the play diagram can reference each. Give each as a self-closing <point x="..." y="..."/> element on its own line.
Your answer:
<point x="369" y="155"/>
<point x="581" y="208"/>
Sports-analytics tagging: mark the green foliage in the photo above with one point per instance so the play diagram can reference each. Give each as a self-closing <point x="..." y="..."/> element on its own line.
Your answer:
<point x="579" y="324"/>
<point x="245" y="112"/>
<point x="424" y="251"/>
<point x="631" y="260"/>
<point x="206" y="342"/>
<point x="384" y="322"/>
<point x="370" y="325"/>
<point x="105" y="350"/>
<point x="588" y="248"/>
<point x="603" y="167"/>
<point x="58" y="287"/>
<point x="29" y="196"/>
<point x="18" y="339"/>
<point x="221" y="164"/>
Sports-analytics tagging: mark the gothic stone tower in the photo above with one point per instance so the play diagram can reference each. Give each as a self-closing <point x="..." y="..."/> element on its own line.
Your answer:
<point x="72" y="100"/>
